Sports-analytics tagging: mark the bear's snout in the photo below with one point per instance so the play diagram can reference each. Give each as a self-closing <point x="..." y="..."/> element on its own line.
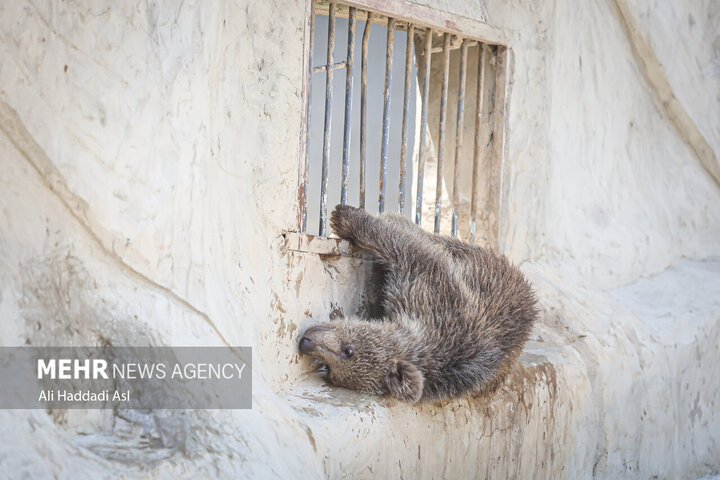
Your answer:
<point x="311" y="338"/>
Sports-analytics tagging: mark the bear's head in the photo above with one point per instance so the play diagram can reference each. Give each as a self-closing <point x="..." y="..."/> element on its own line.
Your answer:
<point x="373" y="357"/>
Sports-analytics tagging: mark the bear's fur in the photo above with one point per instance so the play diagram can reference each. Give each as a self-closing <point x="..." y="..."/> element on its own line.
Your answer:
<point x="456" y="316"/>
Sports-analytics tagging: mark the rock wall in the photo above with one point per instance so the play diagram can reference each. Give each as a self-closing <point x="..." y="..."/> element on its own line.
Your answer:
<point x="149" y="161"/>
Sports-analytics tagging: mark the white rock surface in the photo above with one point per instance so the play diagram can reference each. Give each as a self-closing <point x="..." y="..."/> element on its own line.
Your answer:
<point x="148" y="166"/>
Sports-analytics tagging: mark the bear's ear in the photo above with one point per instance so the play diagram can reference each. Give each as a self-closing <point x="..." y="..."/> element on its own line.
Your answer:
<point x="405" y="381"/>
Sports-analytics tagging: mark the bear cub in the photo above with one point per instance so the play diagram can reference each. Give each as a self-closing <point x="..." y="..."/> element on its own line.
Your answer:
<point x="455" y="316"/>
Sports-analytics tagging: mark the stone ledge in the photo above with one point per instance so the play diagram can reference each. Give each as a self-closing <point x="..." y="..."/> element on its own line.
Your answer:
<point x="609" y="404"/>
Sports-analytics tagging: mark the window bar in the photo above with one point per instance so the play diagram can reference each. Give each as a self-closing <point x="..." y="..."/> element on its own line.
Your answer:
<point x="406" y="114"/>
<point x="303" y="194"/>
<point x="386" y="111"/>
<point x="363" y="106"/>
<point x="423" y="124"/>
<point x="348" y="105"/>
<point x="334" y="66"/>
<point x="443" y="122"/>
<point x="476" y="150"/>
<point x="328" y="118"/>
<point x="459" y="137"/>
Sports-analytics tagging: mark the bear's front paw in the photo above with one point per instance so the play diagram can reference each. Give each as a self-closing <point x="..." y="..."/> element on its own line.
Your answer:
<point x="341" y="220"/>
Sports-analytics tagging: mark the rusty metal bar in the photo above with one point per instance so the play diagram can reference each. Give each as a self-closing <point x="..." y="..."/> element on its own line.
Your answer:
<point x="386" y="111"/>
<point x="348" y="105"/>
<point x="423" y="125"/>
<point x="443" y="122"/>
<point x="406" y="114"/>
<point x="363" y="107"/>
<point x="303" y="193"/>
<point x="476" y="149"/>
<point x="334" y="66"/>
<point x="459" y="137"/>
<point x="328" y="121"/>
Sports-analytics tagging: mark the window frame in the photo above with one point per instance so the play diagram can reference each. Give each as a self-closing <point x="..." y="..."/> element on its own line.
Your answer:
<point x="424" y="17"/>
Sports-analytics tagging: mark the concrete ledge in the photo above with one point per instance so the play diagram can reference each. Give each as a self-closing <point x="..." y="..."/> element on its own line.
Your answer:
<point x="358" y="436"/>
<point x="625" y="387"/>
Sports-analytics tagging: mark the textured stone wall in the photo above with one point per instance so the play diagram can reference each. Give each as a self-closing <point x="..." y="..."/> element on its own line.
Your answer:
<point x="148" y="167"/>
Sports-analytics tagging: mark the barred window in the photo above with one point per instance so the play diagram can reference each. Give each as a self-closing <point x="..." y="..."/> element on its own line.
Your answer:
<point x="401" y="117"/>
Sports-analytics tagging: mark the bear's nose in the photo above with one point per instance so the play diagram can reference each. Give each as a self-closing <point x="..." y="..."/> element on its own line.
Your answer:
<point x="309" y="340"/>
<point x="306" y="345"/>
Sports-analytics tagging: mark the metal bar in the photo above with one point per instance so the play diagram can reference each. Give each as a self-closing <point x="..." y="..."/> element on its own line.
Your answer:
<point x="386" y="111"/>
<point x="405" y="123"/>
<point x="328" y="122"/>
<point x="423" y="125"/>
<point x="363" y="107"/>
<point x="334" y="66"/>
<point x="459" y="137"/>
<point x="476" y="150"/>
<point x="443" y="122"/>
<point x="348" y="106"/>
<point x="497" y="143"/>
<point x="306" y="171"/>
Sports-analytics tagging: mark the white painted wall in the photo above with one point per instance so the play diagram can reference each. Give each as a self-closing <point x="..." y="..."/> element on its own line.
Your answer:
<point x="149" y="160"/>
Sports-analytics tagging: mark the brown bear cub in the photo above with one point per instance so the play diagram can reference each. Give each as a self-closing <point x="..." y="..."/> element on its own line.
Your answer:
<point x="455" y="316"/>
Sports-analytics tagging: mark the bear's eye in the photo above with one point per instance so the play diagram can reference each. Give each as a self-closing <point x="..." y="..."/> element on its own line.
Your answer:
<point x="347" y="352"/>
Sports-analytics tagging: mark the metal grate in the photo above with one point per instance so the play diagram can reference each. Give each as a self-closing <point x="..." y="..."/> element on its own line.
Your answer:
<point x="420" y="142"/>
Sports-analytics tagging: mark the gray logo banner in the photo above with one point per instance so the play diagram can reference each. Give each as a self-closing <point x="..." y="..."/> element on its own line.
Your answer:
<point x="126" y="377"/>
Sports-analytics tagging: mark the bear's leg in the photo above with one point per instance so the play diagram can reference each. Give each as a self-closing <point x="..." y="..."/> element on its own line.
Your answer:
<point x="417" y="264"/>
<point x="390" y="238"/>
